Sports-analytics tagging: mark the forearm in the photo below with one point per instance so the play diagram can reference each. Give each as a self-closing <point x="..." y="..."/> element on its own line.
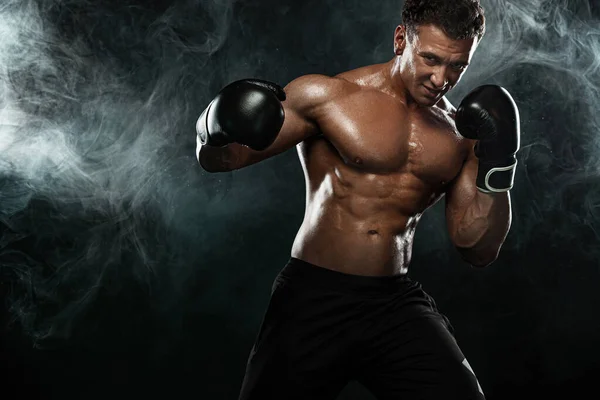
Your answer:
<point x="483" y="228"/>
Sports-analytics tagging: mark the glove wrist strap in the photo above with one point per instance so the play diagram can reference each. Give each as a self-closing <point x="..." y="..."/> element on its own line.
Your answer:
<point x="494" y="178"/>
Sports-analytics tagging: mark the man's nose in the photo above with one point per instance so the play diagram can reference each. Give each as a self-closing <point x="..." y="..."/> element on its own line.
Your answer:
<point x="439" y="78"/>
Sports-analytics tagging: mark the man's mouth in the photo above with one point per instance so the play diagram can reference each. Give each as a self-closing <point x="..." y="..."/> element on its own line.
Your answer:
<point x="431" y="91"/>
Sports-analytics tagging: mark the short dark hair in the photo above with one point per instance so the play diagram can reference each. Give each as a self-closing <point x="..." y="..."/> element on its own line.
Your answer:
<point x="459" y="19"/>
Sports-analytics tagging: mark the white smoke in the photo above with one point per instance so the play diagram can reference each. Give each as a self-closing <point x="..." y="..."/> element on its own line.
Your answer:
<point x="97" y="111"/>
<point x="91" y="121"/>
<point x="547" y="54"/>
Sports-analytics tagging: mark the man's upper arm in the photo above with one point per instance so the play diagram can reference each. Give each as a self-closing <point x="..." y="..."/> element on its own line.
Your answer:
<point x="305" y="98"/>
<point x="460" y="193"/>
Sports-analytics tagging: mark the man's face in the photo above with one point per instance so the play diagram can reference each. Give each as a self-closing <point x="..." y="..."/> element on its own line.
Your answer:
<point x="430" y="62"/>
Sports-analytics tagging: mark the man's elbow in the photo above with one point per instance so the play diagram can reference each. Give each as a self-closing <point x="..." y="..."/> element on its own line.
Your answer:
<point x="212" y="168"/>
<point x="478" y="259"/>
<point x="482" y="263"/>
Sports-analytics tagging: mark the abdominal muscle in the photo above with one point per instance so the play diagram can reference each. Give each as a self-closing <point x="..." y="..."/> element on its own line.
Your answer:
<point x="356" y="246"/>
<point x="358" y="223"/>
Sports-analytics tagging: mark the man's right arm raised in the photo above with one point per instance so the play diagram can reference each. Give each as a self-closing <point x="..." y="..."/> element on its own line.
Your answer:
<point x="252" y="120"/>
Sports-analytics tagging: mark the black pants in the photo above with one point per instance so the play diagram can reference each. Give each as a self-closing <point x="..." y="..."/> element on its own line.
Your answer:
<point x="324" y="328"/>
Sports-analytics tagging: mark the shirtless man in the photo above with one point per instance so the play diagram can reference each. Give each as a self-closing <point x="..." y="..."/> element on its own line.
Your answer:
<point x="378" y="146"/>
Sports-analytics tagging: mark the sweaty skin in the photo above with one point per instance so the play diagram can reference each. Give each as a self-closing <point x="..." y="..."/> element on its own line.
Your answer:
<point x="377" y="149"/>
<point x="377" y="166"/>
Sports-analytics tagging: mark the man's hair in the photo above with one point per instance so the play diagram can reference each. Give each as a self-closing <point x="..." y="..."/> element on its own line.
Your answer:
<point x="459" y="19"/>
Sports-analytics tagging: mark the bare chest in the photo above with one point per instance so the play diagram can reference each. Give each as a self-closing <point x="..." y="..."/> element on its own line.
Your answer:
<point x="379" y="136"/>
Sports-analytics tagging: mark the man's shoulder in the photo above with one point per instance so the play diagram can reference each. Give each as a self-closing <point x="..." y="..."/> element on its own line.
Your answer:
<point x="316" y="81"/>
<point x="445" y="105"/>
<point x="365" y="77"/>
<point x="318" y="88"/>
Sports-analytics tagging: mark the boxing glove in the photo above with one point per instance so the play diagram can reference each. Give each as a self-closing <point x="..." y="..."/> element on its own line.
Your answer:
<point x="490" y="115"/>
<point x="248" y="112"/>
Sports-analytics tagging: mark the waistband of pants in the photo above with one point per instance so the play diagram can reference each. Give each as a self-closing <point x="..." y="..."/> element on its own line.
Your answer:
<point x="297" y="269"/>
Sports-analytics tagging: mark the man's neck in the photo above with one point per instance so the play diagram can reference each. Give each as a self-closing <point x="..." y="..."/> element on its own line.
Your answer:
<point x="396" y="84"/>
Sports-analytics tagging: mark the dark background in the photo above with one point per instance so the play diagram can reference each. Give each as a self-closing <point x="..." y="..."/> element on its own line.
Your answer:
<point x="126" y="270"/>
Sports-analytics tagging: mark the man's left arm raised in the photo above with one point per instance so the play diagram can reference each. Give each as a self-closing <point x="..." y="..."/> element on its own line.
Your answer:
<point x="478" y="209"/>
<point x="478" y="222"/>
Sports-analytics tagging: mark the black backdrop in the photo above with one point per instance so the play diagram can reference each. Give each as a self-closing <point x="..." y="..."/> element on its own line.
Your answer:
<point x="126" y="270"/>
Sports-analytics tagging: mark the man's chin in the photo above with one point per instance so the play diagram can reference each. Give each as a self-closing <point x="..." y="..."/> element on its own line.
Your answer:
<point x="428" y="101"/>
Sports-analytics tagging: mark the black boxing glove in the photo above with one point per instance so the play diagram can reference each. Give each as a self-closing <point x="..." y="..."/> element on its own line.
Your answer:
<point x="490" y="115"/>
<point x="248" y="112"/>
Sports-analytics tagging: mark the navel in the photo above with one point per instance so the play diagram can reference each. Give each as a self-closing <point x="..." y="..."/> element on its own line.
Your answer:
<point x="358" y="160"/>
<point x="373" y="232"/>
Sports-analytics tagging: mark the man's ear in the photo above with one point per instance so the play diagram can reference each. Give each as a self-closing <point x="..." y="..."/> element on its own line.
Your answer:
<point x="400" y="38"/>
